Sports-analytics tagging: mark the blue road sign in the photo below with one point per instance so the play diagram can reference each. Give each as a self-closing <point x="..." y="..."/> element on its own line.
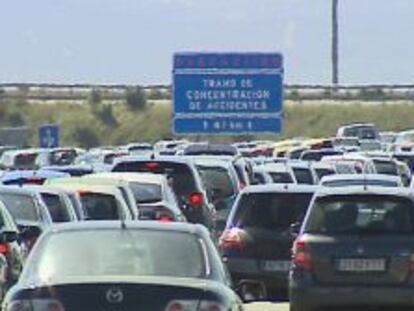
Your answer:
<point x="228" y="93"/>
<point x="227" y="125"/>
<point x="49" y="136"/>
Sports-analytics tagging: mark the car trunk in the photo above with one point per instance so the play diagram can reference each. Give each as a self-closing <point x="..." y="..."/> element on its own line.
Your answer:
<point x="119" y="296"/>
<point x="361" y="260"/>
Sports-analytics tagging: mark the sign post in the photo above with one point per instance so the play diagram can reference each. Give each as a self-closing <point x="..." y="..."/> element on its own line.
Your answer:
<point x="49" y="136"/>
<point x="230" y="93"/>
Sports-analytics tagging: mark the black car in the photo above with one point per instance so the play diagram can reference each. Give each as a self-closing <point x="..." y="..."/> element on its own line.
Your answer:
<point x="124" y="266"/>
<point x="183" y="178"/>
<point x="355" y="249"/>
<point x="257" y="241"/>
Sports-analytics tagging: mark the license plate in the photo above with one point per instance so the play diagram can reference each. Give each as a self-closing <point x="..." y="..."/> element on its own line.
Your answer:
<point x="276" y="265"/>
<point x="362" y="265"/>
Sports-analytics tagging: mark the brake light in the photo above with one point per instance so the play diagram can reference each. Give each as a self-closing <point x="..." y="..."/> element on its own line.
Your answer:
<point x="196" y="199"/>
<point x="4" y="248"/>
<point x="232" y="239"/>
<point x="301" y="255"/>
<point x="83" y="193"/>
<point x="152" y="166"/>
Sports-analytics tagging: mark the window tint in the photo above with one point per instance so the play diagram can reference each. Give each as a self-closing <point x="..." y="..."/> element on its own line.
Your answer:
<point x="321" y="172"/>
<point x="118" y="253"/>
<point x="271" y="211"/>
<point x="281" y="178"/>
<point x="303" y="176"/>
<point x="217" y="178"/>
<point x="57" y="209"/>
<point x="25" y="160"/>
<point x="259" y="178"/>
<point x="62" y="157"/>
<point x="359" y="182"/>
<point x="386" y="167"/>
<point x="99" y="206"/>
<point x="361" y="214"/>
<point x="21" y="207"/>
<point x="146" y="193"/>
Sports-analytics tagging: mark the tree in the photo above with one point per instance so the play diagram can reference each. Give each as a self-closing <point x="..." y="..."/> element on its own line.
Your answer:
<point x="86" y="137"/>
<point x="95" y="100"/>
<point x="136" y="98"/>
<point x="106" y="115"/>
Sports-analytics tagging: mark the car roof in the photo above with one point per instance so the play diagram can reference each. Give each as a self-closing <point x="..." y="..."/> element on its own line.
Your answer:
<point x="360" y="177"/>
<point x="103" y="189"/>
<point x="282" y="188"/>
<point x="144" y="225"/>
<point x="44" y="189"/>
<point x="271" y="167"/>
<point x="367" y="190"/>
<point x="131" y="158"/>
<point x="130" y="177"/>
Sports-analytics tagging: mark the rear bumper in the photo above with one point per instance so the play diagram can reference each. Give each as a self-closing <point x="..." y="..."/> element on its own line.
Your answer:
<point x="252" y="269"/>
<point x="314" y="297"/>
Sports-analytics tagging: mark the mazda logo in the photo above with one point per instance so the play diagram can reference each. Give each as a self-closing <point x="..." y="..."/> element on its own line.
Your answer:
<point x="114" y="295"/>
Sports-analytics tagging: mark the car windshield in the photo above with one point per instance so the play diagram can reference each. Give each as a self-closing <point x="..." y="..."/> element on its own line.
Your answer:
<point x="146" y="192"/>
<point x="117" y="253"/>
<point x="57" y="209"/>
<point x="271" y="211"/>
<point x="99" y="206"/>
<point x="22" y="207"/>
<point x="361" y="214"/>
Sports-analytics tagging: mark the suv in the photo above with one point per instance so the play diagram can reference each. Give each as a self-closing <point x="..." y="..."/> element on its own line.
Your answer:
<point x="257" y="240"/>
<point x="184" y="179"/>
<point x="355" y="248"/>
<point x="362" y="131"/>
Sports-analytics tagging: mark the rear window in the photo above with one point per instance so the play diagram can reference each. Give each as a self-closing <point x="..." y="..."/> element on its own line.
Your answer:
<point x="179" y="175"/>
<point x="217" y="179"/>
<point x="359" y="182"/>
<point x="98" y="206"/>
<point x="321" y="172"/>
<point x="21" y="207"/>
<point x="62" y="157"/>
<point x="146" y="192"/>
<point x="25" y="160"/>
<point x="303" y="176"/>
<point x="361" y="214"/>
<point x="281" y="177"/>
<point x="273" y="211"/>
<point x="386" y="167"/>
<point x="57" y="209"/>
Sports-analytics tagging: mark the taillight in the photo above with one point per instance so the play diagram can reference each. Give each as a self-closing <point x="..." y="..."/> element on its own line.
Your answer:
<point x="196" y="199"/>
<point x="152" y="165"/>
<point x="4" y="248"/>
<point x="232" y="239"/>
<point x="301" y="255"/>
<point x="35" y="305"/>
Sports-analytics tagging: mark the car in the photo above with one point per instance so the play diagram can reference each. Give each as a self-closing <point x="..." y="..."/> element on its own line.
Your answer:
<point x="274" y="173"/>
<point x="318" y="154"/>
<point x="184" y="179"/>
<point x="361" y="163"/>
<point x="354" y="249"/>
<point x="58" y="156"/>
<point x="363" y="131"/>
<point x="138" y="148"/>
<point x="203" y="149"/>
<point x="169" y="147"/>
<point x="124" y="266"/>
<point x="257" y="240"/>
<point x="99" y="202"/>
<point x="11" y="251"/>
<point x="20" y="159"/>
<point x="151" y="193"/>
<point x="346" y="180"/>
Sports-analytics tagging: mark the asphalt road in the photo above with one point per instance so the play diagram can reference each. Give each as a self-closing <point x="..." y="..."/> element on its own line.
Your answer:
<point x="267" y="307"/>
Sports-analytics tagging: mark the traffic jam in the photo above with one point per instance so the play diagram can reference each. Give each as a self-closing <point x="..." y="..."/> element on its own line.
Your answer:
<point x="183" y="226"/>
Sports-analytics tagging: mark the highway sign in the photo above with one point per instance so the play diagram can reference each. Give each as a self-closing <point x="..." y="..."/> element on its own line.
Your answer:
<point x="49" y="136"/>
<point x="228" y="89"/>
<point x="227" y="125"/>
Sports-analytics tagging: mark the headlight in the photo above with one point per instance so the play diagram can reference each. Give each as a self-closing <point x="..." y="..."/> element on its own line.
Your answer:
<point x="35" y="305"/>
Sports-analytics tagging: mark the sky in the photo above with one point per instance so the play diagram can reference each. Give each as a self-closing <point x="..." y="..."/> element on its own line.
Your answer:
<point x="133" y="41"/>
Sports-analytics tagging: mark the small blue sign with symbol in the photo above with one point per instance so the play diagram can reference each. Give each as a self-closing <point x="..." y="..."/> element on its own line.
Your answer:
<point x="227" y="93"/>
<point x="49" y="136"/>
<point x="227" y="125"/>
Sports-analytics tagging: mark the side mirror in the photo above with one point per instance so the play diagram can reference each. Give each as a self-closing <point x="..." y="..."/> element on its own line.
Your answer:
<point x="9" y="236"/>
<point x="295" y="229"/>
